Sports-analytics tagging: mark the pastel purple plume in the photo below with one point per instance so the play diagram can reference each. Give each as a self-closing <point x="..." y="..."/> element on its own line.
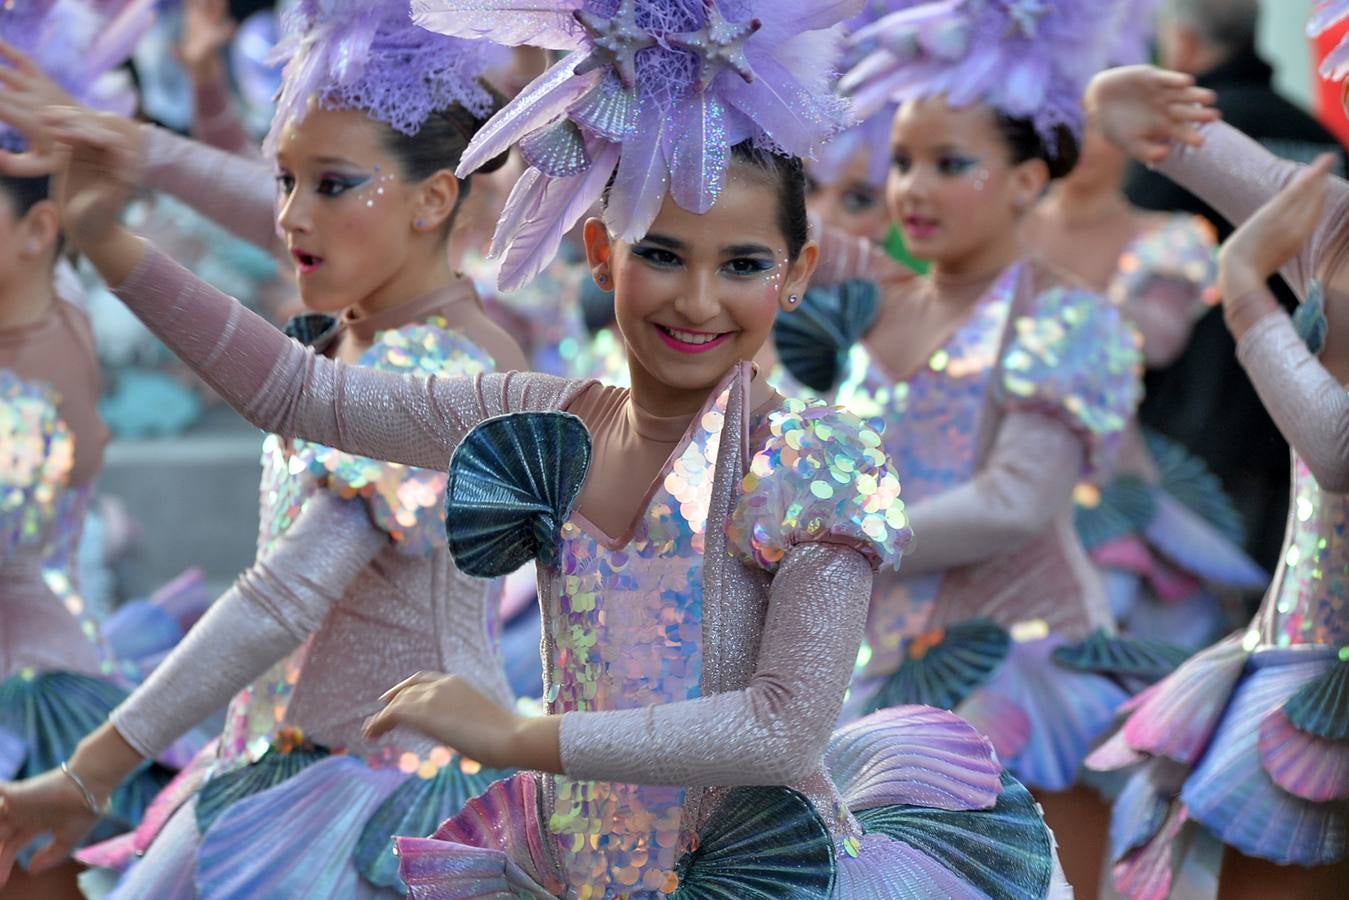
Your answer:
<point x="1326" y="15"/>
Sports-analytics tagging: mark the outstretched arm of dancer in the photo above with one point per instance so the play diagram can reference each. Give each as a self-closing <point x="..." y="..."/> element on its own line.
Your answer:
<point x="270" y="610"/>
<point x="1306" y="396"/>
<point x="269" y="379"/>
<point x="237" y="192"/>
<point x="1160" y="118"/>
<point x="771" y="732"/>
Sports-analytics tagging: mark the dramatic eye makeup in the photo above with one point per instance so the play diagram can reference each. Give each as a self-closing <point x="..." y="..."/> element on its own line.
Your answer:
<point x="860" y="199"/>
<point x="332" y="184"/>
<point x="955" y="164"/>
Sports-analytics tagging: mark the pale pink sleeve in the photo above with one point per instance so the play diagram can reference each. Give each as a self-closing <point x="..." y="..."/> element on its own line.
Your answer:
<point x="1310" y="407"/>
<point x="215" y="122"/>
<point x="272" y="609"/>
<point x="285" y="389"/>
<point x="1236" y="176"/>
<point x="773" y="731"/>
<point x="1027" y="480"/>
<point x="237" y="192"/>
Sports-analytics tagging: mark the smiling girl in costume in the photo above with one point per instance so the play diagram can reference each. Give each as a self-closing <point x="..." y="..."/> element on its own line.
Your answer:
<point x="1001" y="381"/>
<point x="701" y="629"/>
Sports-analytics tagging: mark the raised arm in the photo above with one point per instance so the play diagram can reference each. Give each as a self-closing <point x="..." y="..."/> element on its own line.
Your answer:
<point x="238" y="192"/>
<point x="771" y="732"/>
<point x="283" y="388"/>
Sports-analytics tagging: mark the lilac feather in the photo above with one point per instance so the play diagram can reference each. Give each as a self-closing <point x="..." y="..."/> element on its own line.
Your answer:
<point x="538" y="105"/>
<point x="698" y="160"/>
<point x="537" y="23"/>
<point x="546" y="211"/>
<point x="778" y="104"/>
<point x="643" y="178"/>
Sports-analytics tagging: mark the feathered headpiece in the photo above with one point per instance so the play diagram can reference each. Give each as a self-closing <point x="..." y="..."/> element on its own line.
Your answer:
<point x="367" y="54"/>
<point x="1326" y="15"/>
<point x="870" y="135"/>
<point x="1026" y="58"/>
<point x="78" y="44"/>
<point x="653" y="94"/>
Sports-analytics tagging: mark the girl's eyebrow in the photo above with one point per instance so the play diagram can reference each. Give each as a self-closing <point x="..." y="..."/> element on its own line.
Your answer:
<point x="661" y="240"/>
<point x="747" y="250"/>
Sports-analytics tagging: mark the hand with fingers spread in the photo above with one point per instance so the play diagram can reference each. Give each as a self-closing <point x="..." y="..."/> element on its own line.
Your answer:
<point x="207" y="30"/>
<point x="1144" y="110"/>
<point x="25" y="91"/>
<point x="1266" y="242"/>
<point x="100" y="171"/>
<point x="450" y="709"/>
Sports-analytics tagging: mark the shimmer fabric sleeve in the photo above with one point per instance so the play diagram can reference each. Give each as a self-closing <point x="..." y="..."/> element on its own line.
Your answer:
<point x="237" y="192"/>
<point x="1236" y="176"/>
<point x="1309" y="406"/>
<point x="285" y="389"/>
<point x="270" y="610"/>
<point x="1028" y="479"/>
<point x="771" y="732"/>
<point x="215" y="122"/>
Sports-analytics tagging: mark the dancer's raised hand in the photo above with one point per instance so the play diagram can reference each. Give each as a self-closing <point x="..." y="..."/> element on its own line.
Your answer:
<point x="1144" y="110"/>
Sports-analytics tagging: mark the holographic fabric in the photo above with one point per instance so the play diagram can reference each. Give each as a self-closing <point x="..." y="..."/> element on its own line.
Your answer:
<point x="929" y="427"/>
<point x="37" y="452"/>
<point x="1180" y="251"/>
<point x="626" y="632"/>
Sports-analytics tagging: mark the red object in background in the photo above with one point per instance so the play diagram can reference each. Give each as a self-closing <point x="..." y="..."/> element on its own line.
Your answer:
<point x="1329" y="102"/>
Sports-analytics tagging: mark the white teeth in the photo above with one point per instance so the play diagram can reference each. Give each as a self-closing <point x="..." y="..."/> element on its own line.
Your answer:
<point x="688" y="337"/>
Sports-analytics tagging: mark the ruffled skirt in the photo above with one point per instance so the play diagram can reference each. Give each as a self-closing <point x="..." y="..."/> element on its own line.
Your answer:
<point x="1254" y="747"/>
<point x="930" y="813"/>
<point x="299" y="822"/>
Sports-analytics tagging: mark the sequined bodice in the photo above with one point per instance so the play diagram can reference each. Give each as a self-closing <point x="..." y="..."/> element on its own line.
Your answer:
<point x="1309" y="601"/>
<point x="931" y="425"/>
<point x="626" y="632"/>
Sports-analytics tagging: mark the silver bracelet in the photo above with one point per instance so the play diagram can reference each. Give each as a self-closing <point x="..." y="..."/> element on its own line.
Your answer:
<point x="90" y="801"/>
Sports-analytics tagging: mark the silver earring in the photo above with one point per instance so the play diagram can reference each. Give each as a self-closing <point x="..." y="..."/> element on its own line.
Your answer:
<point x="793" y="300"/>
<point x="603" y="279"/>
<point x="420" y="223"/>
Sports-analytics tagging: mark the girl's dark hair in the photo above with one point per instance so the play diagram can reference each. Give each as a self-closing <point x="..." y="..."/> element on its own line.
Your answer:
<point x="1025" y="143"/>
<point x="25" y="193"/>
<point x="440" y="143"/>
<point x="789" y="175"/>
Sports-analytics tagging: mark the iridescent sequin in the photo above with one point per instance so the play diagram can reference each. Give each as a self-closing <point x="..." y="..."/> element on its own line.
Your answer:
<point x="37" y="453"/>
<point x="821" y="474"/>
<point x="929" y="424"/>
<point x="627" y="632"/>
<point x="1309" y="603"/>
<point x="1181" y="250"/>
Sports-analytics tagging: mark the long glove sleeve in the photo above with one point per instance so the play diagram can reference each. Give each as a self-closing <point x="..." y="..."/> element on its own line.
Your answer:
<point x="272" y="609"/>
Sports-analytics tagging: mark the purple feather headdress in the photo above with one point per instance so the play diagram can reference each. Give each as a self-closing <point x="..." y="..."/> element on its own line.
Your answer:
<point x="1026" y="58"/>
<point x="367" y="55"/>
<point x="1325" y="15"/>
<point x="79" y="44"/>
<point x="872" y="134"/>
<point x="653" y="93"/>
<point x="1131" y="32"/>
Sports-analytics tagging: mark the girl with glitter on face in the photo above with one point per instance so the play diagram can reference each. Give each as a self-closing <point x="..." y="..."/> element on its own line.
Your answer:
<point x="1245" y="744"/>
<point x="354" y="587"/>
<point x="706" y="550"/>
<point x="1164" y="536"/>
<point x="1001" y="381"/>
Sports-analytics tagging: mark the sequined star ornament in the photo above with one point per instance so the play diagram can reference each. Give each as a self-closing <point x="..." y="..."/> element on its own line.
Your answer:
<point x="1326" y="14"/>
<point x="1030" y="59"/>
<point x="367" y="55"/>
<point x="651" y="96"/>
<point x="79" y="44"/>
